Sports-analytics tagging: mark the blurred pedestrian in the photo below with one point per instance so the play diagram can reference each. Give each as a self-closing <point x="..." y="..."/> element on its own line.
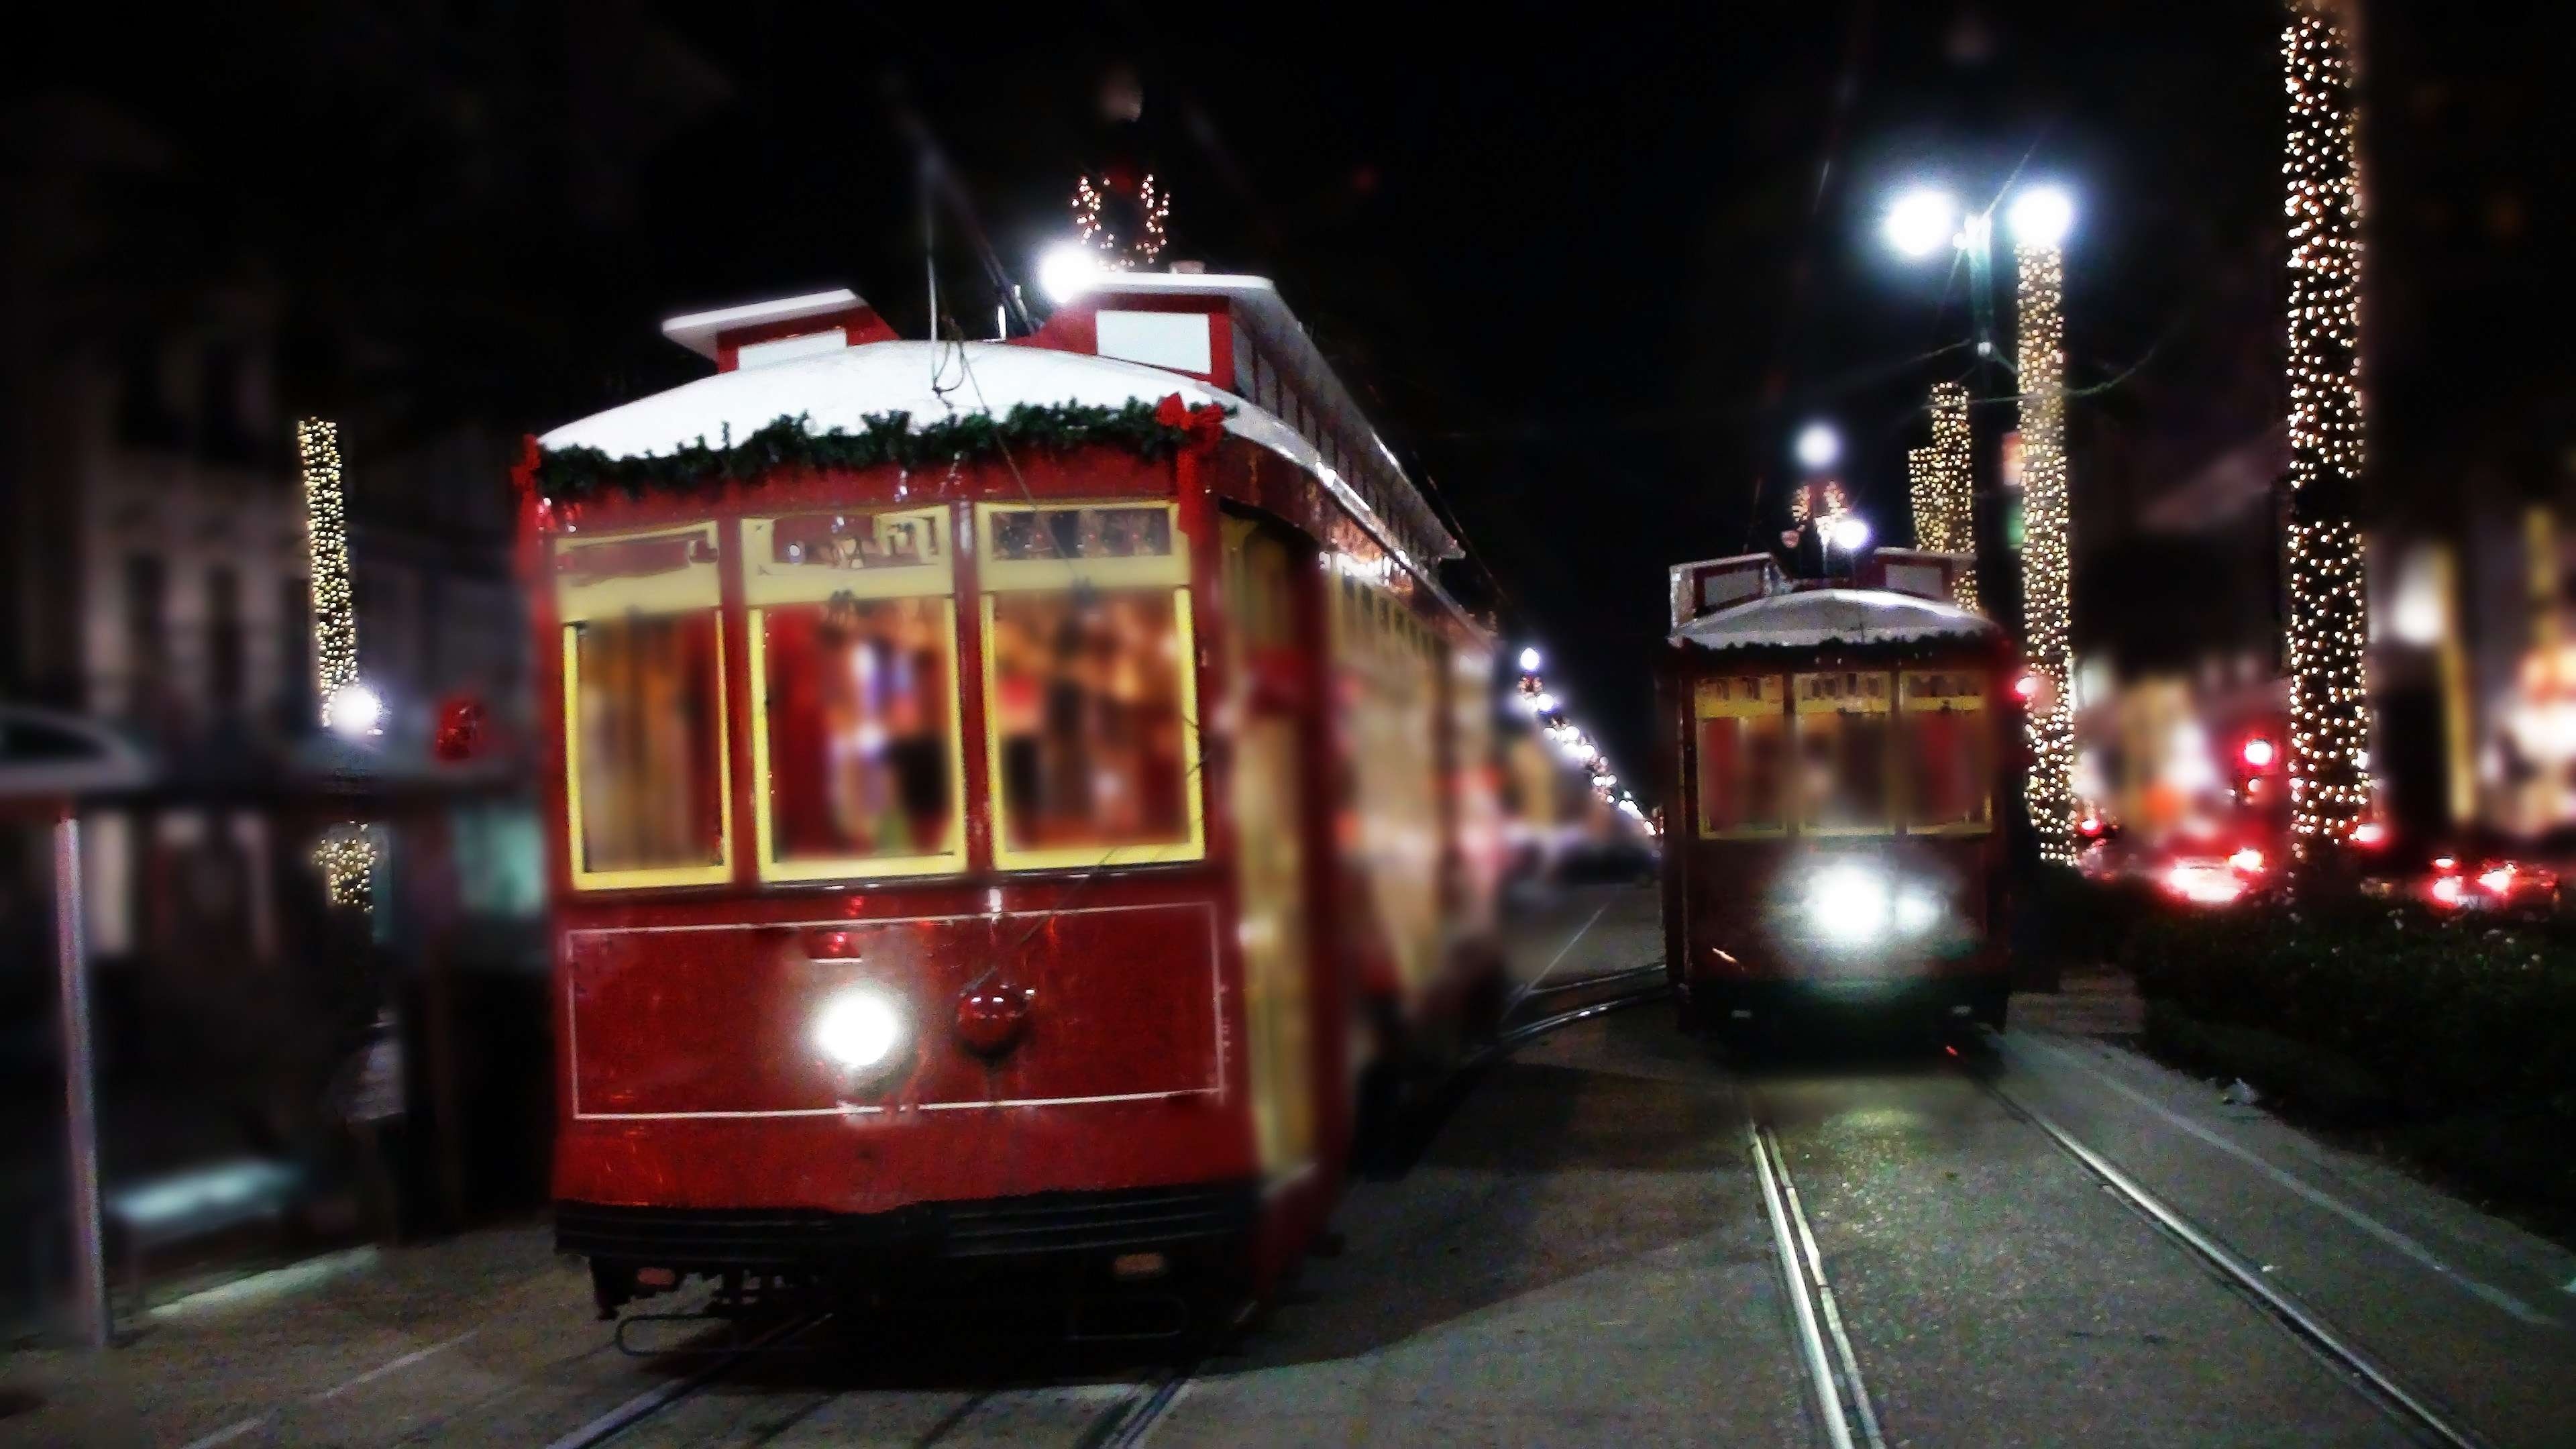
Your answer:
<point x="369" y="1098"/>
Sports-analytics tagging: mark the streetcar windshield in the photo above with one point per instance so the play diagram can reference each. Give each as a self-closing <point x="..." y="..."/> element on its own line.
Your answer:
<point x="1741" y="738"/>
<point x="1087" y="703"/>
<point x="1949" y="751"/>
<point x="645" y="743"/>
<point x="1842" y="754"/>
<point x="858" y="725"/>
<point x="855" y="719"/>
<point x="1091" y="712"/>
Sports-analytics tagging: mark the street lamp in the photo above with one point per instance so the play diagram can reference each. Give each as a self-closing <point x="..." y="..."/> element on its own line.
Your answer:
<point x="1067" y="270"/>
<point x="1919" y="221"/>
<point x="2040" y="217"/>
<point x="1818" y="445"/>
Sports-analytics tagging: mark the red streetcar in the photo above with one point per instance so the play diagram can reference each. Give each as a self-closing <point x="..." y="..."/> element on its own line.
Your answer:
<point x="1836" y="766"/>
<point x="1015" y="803"/>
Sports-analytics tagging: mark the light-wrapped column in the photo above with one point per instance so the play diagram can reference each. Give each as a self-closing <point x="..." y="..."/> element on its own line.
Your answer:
<point x="2046" y="557"/>
<point x="2328" y="623"/>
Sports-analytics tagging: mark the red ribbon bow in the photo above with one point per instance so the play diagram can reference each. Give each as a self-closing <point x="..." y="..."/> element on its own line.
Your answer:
<point x="1204" y="424"/>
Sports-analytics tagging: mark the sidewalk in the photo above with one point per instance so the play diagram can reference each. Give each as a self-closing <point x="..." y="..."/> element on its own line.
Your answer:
<point x="2091" y="1001"/>
<point x="350" y="1346"/>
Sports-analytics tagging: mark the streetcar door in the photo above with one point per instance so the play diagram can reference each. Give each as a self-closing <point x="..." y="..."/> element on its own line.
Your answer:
<point x="1270" y="854"/>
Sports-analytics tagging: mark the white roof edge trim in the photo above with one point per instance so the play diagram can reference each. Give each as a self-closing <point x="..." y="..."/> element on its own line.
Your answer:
<point x="1701" y="563"/>
<point x="1269" y="312"/>
<point x="697" y="331"/>
<point x="1181" y="283"/>
<point x="1816" y="617"/>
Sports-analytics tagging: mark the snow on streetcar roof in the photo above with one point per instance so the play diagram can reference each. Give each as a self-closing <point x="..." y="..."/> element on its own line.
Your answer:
<point x="841" y="389"/>
<point x="1811" y="617"/>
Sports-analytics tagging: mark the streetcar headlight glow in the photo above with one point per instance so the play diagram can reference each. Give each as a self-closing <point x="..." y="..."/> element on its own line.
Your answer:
<point x="1917" y="910"/>
<point x="1849" y="903"/>
<point x="859" y="1029"/>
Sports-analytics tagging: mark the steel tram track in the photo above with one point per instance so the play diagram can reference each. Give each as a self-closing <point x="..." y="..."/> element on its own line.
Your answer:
<point x="1118" y="1425"/>
<point x="2359" y="1370"/>
<point x="1831" y="1365"/>
<point x="1826" y="1358"/>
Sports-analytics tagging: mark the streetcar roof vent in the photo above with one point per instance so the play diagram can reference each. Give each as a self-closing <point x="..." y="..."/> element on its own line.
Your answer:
<point x="1715" y="583"/>
<point x="757" y="334"/>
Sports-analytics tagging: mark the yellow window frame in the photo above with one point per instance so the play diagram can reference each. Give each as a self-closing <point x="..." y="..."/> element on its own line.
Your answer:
<point x="1914" y="697"/>
<point x="1808" y="703"/>
<point x="767" y="584"/>
<point x="1000" y="576"/>
<point x="1013" y="575"/>
<point x="1770" y="698"/>
<point x="767" y="581"/>
<point x="696" y="585"/>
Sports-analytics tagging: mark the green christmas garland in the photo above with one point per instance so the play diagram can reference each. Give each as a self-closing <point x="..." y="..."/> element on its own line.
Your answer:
<point x="573" y="474"/>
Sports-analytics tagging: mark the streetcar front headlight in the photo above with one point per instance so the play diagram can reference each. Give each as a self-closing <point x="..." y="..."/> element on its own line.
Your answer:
<point x="1918" y="910"/>
<point x="860" y="1028"/>
<point x="1849" y="903"/>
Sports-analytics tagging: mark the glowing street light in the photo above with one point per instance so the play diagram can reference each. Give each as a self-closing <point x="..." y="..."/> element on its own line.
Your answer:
<point x="1530" y="660"/>
<point x="1819" y="445"/>
<point x="1067" y="270"/>
<point x="354" y="711"/>
<point x="1850" y="533"/>
<point x="1920" y="221"/>
<point x="2041" y="217"/>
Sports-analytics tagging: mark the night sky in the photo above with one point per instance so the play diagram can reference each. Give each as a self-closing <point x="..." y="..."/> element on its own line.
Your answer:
<point x="1590" y="269"/>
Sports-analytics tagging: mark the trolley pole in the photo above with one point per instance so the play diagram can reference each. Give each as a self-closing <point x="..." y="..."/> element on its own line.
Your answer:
<point x="80" y="1102"/>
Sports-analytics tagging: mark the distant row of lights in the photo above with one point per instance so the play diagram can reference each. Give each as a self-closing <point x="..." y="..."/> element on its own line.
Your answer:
<point x="1548" y="712"/>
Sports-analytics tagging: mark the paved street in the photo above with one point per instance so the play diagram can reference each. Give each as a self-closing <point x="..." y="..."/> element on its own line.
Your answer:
<point x="1582" y="1255"/>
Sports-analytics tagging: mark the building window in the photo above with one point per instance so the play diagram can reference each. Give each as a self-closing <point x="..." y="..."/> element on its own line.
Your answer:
<point x="223" y="638"/>
<point x="296" y="705"/>
<point x="147" y="629"/>
<point x="144" y="417"/>
<point x="221" y="435"/>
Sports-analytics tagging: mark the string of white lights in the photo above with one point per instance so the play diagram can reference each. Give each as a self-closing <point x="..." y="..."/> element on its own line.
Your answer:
<point x="347" y="853"/>
<point x="1954" y="488"/>
<point x="2045" y="555"/>
<point x="326" y="538"/>
<point x="1091" y="225"/>
<point x="1547" y="711"/>
<point x="1937" y="478"/>
<point x="2328" y="614"/>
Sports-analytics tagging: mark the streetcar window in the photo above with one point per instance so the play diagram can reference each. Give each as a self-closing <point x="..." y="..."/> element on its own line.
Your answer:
<point x="1741" y="738"/>
<point x="1949" y="752"/>
<point x="1842" y="752"/>
<point x="854" y="711"/>
<point x="1091" y="702"/>
<point x="643" y="678"/>
<point x="859" y="731"/>
<point x="1088" y="699"/>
